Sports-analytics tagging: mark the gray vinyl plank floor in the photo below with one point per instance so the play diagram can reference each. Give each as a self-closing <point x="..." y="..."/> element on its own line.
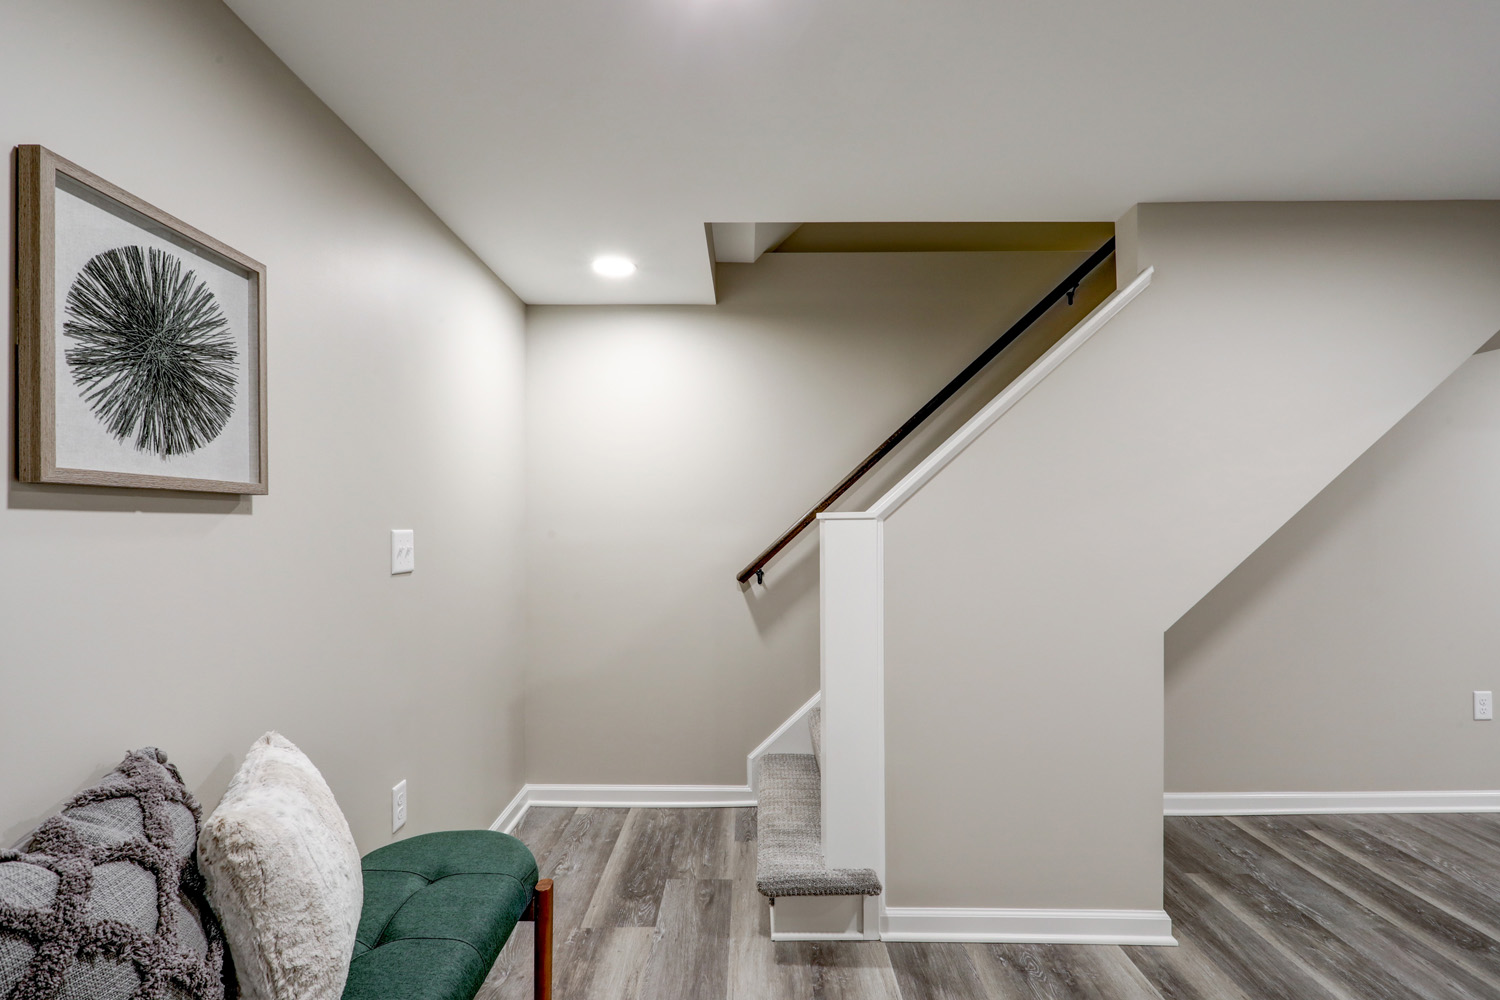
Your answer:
<point x="660" y="904"/>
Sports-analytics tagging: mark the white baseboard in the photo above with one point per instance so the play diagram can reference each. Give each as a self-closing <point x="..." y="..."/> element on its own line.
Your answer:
<point x="1287" y="803"/>
<point x="622" y="797"/>
<point x="1147" y="927"/>
<point x="510" y="816"/>
<point x="816" y="935"/>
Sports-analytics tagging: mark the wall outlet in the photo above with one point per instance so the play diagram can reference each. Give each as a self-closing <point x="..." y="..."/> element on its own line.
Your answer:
<point x="398" y="806"/>
<point x="403" y="551"/>
<point x="1484" y="706"/>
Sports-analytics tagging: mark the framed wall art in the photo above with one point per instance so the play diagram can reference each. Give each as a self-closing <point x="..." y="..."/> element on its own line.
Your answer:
<point x="141" y="342"/>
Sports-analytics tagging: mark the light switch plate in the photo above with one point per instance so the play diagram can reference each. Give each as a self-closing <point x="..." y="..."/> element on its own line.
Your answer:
<point x="403" y="551"/>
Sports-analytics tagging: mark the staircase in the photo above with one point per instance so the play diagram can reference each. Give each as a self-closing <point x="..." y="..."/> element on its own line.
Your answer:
<point x="821" y="820"/>
<point x="789" y="863"/>
<point x="1289" y="338"/>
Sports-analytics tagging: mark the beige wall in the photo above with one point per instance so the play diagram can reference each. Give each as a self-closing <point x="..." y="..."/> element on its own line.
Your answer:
<point x="1343" y="654"/>
<point x="1029" y="585"/>
<point x="396" y="364"/>
<point x="667" y="446"/>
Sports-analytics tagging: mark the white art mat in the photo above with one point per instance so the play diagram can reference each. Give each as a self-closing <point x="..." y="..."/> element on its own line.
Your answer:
<point x="88" y="224"/>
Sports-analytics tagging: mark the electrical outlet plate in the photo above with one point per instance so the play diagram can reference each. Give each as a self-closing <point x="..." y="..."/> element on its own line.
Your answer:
<point x="1484" y="706"/>
<point x="403" y="551"/>
<point x="398" y="806"/>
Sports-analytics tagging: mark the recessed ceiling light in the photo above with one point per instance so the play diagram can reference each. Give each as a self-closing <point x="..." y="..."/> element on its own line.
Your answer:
<point x="611" y="266"/>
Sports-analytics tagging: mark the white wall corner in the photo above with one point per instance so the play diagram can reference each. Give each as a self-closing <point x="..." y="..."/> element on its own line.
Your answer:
<point x="510" y="817"/>
<point x="792" y="736"/>
<point x="732" y="242"/>
<point x="1327" y="803"/>
<point x="744" y="242"/>
<point x="1121" y="927"/>
<point x="1128" y="246"/>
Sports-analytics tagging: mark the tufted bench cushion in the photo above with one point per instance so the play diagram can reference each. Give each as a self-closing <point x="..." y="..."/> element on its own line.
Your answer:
<point x="438" y="907"/>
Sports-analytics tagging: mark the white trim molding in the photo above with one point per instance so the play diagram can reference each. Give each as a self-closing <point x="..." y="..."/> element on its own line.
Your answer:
<point x="792" y="736"/>
<point x="510" y="816"/>
<point x="1008" y="397"/>
<point x="922" y="923"/>
<point x="622" y="797"/>
<point x="1313" y="803"/>
<point x="851" y="599"/>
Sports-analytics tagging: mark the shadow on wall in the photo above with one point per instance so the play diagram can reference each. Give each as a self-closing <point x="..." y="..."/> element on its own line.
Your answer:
<point x="208" y="793"/>
<point x="12" y="836"/>
<point x="1490" y="345"/>
<point x="792" y="575"/>
<point x="211" y="789"/>
<point x="47" y="496"/>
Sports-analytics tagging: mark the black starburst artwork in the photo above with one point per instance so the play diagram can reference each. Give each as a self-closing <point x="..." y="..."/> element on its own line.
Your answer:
<point x="154" y="357"/>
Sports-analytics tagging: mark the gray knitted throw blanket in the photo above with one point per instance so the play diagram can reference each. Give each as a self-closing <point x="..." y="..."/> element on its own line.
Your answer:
<point x="106" y="901"/>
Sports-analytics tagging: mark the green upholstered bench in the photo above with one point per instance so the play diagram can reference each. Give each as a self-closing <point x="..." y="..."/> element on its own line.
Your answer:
<point x="438" y="908"/>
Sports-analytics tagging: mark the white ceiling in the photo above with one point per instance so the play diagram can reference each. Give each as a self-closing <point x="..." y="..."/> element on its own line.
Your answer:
<point x="545" y="132"/>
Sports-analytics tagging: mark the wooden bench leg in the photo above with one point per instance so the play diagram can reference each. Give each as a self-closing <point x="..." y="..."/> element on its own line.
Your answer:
<point x="540" y="911"/>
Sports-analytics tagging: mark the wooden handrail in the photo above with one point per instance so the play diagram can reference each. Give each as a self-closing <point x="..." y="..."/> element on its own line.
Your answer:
<point x="1068" y="289"/>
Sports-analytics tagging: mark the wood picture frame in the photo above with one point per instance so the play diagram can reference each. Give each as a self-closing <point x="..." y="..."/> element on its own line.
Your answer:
<point x="146" y="366"/>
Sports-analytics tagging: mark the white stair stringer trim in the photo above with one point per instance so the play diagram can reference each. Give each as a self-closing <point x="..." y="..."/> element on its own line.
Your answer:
<point x="1008" y="397"/>
<point x="1122" y="927"/>
<point x="622" y="797"/>
<point x="792" y="736"/>
<point x="1326" y="803"/>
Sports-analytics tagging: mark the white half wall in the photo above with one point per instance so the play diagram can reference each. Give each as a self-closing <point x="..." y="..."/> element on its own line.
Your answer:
<point x="1029" y="585"/>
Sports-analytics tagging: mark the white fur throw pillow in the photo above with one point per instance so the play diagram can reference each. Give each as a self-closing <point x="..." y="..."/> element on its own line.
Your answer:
<point x="283" y="875"/>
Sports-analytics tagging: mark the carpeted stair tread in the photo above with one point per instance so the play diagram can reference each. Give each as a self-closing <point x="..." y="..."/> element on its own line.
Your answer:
<point x="789" y="857"/>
